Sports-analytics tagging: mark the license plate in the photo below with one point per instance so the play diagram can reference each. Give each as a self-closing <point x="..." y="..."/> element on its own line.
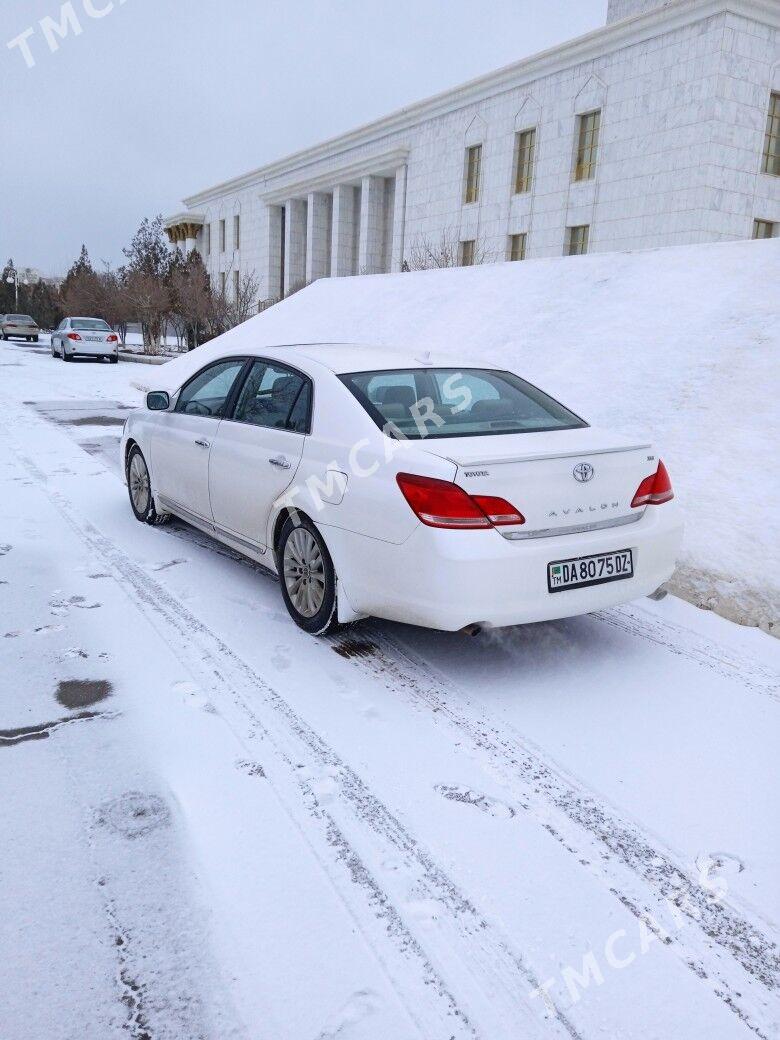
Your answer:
<point x="582" y="571"/>
<point x="94" y="339"/>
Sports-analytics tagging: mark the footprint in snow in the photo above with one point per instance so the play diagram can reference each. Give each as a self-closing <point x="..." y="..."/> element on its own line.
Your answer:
<point x="169" y="563"/>
<point x="5" y="549"/>
<point x="423" y="912"/>
<point x="718" y="865"/>
<point x="464" y="795"/>
<point x="134" y="814"/>
<point x="250" y="768"/>
<point x="279" y="658"/>
<point x="193" y="694"/>
<point x="360" y="1006"/>
<point x="73" y="651"/>
<point x="61" y="606"/>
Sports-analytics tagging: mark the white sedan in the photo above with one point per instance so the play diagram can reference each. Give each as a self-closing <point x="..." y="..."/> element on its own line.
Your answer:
<point x="379" y="483"/>
<point x="85" y="337"/>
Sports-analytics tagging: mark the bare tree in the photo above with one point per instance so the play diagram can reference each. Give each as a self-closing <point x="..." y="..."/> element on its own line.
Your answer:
<point x="427" y="254"/>
<point x="234" y="303"/>
<point x="149" y="300"/>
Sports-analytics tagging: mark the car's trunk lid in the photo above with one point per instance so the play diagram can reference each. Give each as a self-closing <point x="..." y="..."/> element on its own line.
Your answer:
<point x="564" y="480"/>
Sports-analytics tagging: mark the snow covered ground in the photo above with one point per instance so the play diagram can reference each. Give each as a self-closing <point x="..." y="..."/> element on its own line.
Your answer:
<point x="680" y="344"/>
<point x="216" y="826"/>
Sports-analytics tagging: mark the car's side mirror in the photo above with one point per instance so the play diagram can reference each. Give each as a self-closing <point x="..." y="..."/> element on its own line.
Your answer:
<point x="157" y="401"/>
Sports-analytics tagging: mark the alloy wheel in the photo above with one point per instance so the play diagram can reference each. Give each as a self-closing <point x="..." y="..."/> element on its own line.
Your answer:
<point x="304" y="572"/>
<point x="138" y="479"/>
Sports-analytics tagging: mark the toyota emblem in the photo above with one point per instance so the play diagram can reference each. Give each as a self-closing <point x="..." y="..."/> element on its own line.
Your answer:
<point x="583" y="472"/>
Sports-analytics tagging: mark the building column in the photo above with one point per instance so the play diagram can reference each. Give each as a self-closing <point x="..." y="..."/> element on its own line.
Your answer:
<point x="399" y="220"/>
<point x="274" y="252"/>
<point x="191" y="236"/>
<point x="318" y="235"/>
<point x="342" y="253"/>
<point x="372" y="204"/>
<point x="294" y="244"/>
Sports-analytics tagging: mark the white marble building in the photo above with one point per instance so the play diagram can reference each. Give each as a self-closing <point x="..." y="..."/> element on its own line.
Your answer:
<point x="661" y="128"/>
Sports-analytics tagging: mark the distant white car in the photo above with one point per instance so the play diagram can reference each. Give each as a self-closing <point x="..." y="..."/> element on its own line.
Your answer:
<point x="85" y="337"/>
<point x="19" y="326"/>
<point x="440" y="493"/>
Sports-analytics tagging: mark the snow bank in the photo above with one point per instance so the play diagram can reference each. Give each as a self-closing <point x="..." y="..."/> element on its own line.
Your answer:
<point x="680" y="343"/>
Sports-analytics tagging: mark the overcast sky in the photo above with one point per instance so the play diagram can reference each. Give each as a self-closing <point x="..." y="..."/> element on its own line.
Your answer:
<point x="160" y="98"/>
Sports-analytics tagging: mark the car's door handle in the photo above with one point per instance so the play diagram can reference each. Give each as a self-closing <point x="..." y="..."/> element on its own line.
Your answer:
<point x="280" y="461"/>
<point x="202" y="444"/>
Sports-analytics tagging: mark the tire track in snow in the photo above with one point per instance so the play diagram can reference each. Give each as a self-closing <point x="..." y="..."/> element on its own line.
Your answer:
<point x="683" y="642"/>
<point x="603" y="843"/>
<point x="470" y="954"/>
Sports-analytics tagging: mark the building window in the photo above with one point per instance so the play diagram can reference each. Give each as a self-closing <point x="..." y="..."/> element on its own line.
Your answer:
<point x="587" y="146"/>
<point x="207" y="236"/>
<point x="525" y="150"/>
<point x="467" y="253"/>
<point x="577" y="240"/>
<point x="763" y="229"/>
<point x="771" y="162"/>
<point x="222" y="236"/>
<point x="473" y="171"/>
<point x="237" y="232"/>
<point x="517" y="246"/>
<point x="236" y="288"/>
<point x="222" y="282"/>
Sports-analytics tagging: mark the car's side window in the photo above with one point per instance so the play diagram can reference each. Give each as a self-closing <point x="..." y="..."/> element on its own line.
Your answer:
<point x="300" y="416"/>
<point x="208" y="392"/>
<point x="271" y="396"/>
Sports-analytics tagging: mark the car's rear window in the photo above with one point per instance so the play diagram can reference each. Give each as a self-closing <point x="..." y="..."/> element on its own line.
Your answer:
<point x="23" y="319"/>
<point x="456" y="402"/>
<point x="90" y="325"/>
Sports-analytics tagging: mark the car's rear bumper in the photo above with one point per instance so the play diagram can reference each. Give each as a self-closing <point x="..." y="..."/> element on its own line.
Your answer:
<point x="450" y="579"/>
<point x="92" y="350"/>
<point x="20" y="333"/>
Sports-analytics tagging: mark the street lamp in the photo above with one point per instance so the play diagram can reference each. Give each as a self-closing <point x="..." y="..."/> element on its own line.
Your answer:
<point x="13" y="279"/>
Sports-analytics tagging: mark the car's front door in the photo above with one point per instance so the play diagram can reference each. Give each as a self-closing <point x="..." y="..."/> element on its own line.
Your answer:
<point x="258" y="448"/>
<point x="183" y="438"/>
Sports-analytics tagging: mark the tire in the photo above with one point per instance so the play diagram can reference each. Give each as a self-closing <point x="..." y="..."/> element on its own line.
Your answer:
<point x="113" y="360"/>
<point x="64" y="355"/>
<point x="35" y="339"/>
<point x="139" y="489"/>
<point x="307" y="578"/>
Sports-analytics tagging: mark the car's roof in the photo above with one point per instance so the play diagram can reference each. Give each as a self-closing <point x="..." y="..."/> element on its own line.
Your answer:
<point x="366" y="357"/>
<point x="84" y="317"/>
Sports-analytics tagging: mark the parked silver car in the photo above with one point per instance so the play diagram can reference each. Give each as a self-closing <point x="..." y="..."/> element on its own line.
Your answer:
<point x="19" y="326"/>
<point x="85" y="337"/>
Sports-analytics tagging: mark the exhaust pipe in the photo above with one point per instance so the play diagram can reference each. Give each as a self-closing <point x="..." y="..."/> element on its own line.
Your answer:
<point x="470" y="630"/>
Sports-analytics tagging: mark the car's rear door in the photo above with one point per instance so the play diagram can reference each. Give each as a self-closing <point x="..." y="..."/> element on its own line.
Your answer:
<point x="258" y="448"/>
<point x="183" y="438"/>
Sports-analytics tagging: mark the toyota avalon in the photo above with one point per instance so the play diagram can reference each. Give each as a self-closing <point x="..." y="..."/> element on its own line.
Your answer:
<point x="381" y="483"/>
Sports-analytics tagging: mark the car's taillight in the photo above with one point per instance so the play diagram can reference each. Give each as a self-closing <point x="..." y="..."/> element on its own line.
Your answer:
<point x="498" y="511"/>
<point x="112" y="339"/>
<point x="440" y="503"/>
<point x="654" y="490"/>
<point x="73" y="335"/>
